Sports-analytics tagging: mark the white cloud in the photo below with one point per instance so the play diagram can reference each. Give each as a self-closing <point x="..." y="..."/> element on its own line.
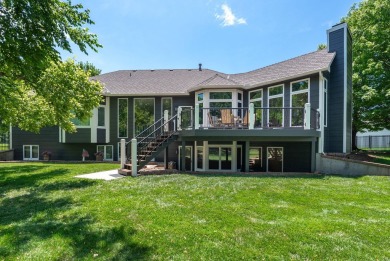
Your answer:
<point x="228" y="18"/>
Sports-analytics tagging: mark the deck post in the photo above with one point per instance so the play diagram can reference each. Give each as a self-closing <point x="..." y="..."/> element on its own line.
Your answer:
<point x="179" y="118"/>
<point x="123" y="153"/>
<point x="234" y="156"/>
<point x="183" y="156"/>
<point x="197" y="116"/>
<point x="134" y="162"/>
<point x="251" y="116"/>
<point x="313" y="156"/>
<point x="166" y="125"/>
<point x="246" y="156"/>
<point x="306" y="121"/>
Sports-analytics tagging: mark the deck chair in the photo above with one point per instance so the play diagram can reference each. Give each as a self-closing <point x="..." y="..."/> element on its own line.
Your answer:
<point x="245" y="120"/>
<point x="211" y="121"/>
<point x="227" y="118"/>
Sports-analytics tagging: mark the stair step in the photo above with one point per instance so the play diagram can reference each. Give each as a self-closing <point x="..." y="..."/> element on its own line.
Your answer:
<point x="125" y="172"/>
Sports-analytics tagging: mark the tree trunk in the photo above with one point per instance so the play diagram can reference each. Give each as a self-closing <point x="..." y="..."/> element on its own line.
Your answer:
<point x="354" y="132"/>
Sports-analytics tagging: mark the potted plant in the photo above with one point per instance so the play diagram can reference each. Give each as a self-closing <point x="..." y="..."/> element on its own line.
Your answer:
<point x="46" y="155"/>
<point x="99" y="156"/>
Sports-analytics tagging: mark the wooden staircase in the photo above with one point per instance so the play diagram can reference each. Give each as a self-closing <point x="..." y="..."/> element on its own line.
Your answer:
<point x="150" y="143"/>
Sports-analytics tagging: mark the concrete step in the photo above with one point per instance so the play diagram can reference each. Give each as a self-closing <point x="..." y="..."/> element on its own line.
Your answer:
<point x="125" y="172"/>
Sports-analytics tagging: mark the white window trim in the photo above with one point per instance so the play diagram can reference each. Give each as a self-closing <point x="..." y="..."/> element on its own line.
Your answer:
<point x="30" y="152"/>
<point x="261" y="151"/>
<point x="127" y="133"/>
<point x="179" y="157"/>
<point x="105" y="119"/>
<point x="105" y="151"/>
<point x="232" y="147"/>
<point x="255" y="100"/>
<point x="282" y="156"/>
<point x="299" y="92"/>
<point x="206" y="100"/>
<point x="276" y="96"/>
<point x="154" y="111"/>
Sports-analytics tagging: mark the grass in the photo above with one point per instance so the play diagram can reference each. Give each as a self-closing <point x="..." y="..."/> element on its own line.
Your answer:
<point x="47" y="214"/>
<point x="380" y="156"/>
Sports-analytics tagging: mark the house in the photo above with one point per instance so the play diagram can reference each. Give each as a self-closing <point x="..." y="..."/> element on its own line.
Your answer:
<point x="274" y="118"/>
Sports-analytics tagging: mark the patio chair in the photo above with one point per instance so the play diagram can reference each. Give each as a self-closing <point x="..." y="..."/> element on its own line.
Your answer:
<point x="227" y="118"/>
<point x="245" y="120"/>
<point x="211" y="121"/>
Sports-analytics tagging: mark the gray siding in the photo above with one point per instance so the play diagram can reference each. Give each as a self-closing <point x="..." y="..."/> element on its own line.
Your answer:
<point x="48" y="140"/>
<point x="81" y="136"/>
<point x="334" y="135"/>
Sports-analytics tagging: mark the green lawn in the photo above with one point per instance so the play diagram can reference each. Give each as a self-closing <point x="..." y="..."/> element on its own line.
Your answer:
<point x="46" y="214"/>
<point x="380" y="156"/>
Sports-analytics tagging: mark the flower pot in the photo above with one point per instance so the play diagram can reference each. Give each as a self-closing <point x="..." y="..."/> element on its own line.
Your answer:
<point x="46" y="157"/>
<point x="99" y="158"/>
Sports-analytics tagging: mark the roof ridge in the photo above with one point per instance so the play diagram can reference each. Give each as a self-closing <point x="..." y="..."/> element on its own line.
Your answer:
<point x="261" y="68"/>
<point x="215" y="76"/>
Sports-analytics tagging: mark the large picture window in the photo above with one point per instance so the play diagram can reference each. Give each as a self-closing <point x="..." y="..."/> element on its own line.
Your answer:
<point x="275" y="104"/>
<point x="102" y="116"/>
<point x="299" y="97"/>
<point x="256" y="97"/>
<point x="275" y="159"/>
<point x="166" y="104"/>
<point x="123" y="109"/>
<point x="143" y="114"/>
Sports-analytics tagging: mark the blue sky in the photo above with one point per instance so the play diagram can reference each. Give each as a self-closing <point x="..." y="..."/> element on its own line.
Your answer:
<point x="230" y="36"/>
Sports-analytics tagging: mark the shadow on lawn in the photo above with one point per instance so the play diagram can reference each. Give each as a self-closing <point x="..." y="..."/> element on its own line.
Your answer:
<point x="261" y="175"/>
<point x="33" y="217"/>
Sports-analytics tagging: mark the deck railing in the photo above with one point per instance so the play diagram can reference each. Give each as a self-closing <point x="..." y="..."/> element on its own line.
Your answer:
<point x="250" y="118"/>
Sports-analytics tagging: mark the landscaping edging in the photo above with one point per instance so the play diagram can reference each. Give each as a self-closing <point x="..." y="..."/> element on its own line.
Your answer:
<point x="338" y="165"/>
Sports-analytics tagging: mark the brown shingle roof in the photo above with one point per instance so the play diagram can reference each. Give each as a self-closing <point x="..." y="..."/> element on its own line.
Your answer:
<point x="295" y="67"/>
<point x="179" y="82"/>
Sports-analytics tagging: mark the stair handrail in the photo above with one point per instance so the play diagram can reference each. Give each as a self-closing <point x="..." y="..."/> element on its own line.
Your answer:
<point x="148" y="128"/>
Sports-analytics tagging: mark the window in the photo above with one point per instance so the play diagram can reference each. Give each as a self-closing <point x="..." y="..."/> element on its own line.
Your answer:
<point x="325" y="102"/>
<point x="199" y="157"/>
<point x="219" y="100"/>
<point x="101" y="117"/>
<point x="220" y="158"/>
<point x="256" y="97"/>
<point x="122" y="117"/>
<point x="212" y="101"/>
<point x="275" y="104"/>
<point x="166" y="104"/>
<point x="107" y="151"/>
<point x="143" y="114"/>
<point x="255" y="159"/>
<point x="188" y="158"/>
<point x="275" y="159"/>
<point x="30" y="152"/>
<point x="81" y="122"/>
<point x="220" y="95"/>
<point x="299" y="97"/>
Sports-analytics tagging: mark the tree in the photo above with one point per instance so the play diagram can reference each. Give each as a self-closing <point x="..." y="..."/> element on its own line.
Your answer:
<point x="369" y="22"/>
<point x="321" y="46"/>
<point x="37" y="89"/>
<point x="89" y="67"/>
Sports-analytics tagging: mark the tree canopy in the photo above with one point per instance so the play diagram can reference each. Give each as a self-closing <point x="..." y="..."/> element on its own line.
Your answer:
<point x="369" y="22"/>
<point x="37" y="89"/>
<point x="89" y="67"/>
